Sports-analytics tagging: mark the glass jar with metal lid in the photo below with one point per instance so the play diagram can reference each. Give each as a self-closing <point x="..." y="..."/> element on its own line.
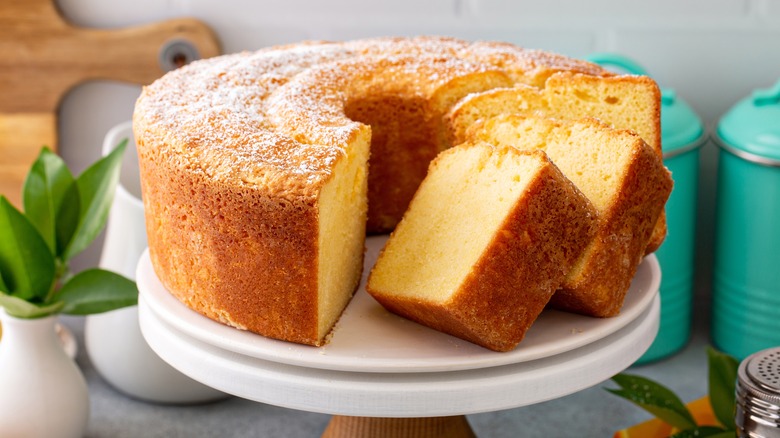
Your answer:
<point x="746" y="283"/>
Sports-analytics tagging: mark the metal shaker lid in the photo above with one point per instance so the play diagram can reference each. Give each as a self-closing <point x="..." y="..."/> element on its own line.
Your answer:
<point x="681" y="128"/>
<point x="759" y="374"/>
<point x="751" y="128"/>
<point x="757" y="410"/>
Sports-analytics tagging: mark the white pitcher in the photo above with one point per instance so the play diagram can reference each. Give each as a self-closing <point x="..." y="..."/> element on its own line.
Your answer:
<point x="113" y="339"/>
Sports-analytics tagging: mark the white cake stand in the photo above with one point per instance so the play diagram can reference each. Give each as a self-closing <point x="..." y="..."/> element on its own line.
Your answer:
<point x="381" y="375"/>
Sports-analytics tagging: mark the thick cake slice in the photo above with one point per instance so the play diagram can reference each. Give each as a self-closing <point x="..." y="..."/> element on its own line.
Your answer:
<point x="623" y="178"/>
<point x="489" y="236"/>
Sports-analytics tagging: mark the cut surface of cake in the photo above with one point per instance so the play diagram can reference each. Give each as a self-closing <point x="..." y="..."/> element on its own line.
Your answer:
<point x="489" y="236"/>
<point x="623" y="178"/>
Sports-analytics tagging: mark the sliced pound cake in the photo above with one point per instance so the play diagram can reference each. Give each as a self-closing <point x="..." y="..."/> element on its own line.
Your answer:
<point x="489" y="236"/>
<point x="623" y="178"/>
<point x="624" y="102"/>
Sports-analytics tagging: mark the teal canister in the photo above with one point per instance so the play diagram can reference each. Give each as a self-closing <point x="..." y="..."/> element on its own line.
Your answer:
<point x="746" y="283"/>
<point x="682" y="135"/>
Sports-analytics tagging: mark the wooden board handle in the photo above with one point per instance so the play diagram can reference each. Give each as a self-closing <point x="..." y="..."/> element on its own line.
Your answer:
<point x="133" y="54"/>
<point x="50" y="61"/>
<point x="42" y="57"/>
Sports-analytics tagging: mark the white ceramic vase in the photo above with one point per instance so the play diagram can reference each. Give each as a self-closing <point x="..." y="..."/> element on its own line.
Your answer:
<point x="113" y="339"/>
<point x="42" y="391"/>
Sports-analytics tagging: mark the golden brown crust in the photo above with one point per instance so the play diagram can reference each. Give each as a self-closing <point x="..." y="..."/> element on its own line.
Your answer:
<point x="225" y="251"/>
<point x="525" y="262"/>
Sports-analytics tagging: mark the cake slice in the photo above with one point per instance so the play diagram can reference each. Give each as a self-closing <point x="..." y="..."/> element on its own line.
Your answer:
<point x="623" y="178"/>
<point x="488" y="237"/>
<point x="622" y="101"/>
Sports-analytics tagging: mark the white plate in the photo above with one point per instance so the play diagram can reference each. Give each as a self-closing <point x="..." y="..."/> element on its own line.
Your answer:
<point x="401" y="394"/>
<point x="367" y="338"/>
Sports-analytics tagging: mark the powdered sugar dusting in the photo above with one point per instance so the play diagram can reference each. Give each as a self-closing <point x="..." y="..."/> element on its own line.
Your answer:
<point x="279" y="112"/>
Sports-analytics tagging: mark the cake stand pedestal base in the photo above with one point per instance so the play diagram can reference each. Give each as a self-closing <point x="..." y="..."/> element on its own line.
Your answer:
<point x="342" y="426"/>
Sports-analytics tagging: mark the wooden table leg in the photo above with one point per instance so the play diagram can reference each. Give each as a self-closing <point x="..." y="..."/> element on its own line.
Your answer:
<point x="428" y="427"/>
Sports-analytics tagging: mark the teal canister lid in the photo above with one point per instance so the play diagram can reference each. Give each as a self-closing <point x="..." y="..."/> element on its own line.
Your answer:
<point x="681" y="128"/>
<point x="751" y="128"/>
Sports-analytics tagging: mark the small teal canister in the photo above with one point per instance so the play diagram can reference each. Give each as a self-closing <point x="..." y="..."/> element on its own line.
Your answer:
<point x="746" y="283"/>
<point x="682" y="135"/>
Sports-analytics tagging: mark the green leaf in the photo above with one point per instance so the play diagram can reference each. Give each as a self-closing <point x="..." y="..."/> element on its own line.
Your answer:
<point x="44" y="188"/>
<point x="23" y="309"/>
<point x="705" y="431"/>
<point x="654" y="398"/>
<point x="26" y="265"/>
<point x="96" y="188"/>
<point x="722" y="385"/>
<point x="3" y="287"/>
<point x="95" y="291"/>
<point x="67" y="219"/>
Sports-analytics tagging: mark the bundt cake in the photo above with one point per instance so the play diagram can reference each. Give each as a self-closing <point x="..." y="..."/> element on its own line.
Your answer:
<point x="259" y="170"/>
<point x="623" y="178"/>
<point x="490" y="234"/>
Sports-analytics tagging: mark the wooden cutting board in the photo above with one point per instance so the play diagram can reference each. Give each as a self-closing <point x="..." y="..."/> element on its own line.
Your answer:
<point x="42" y="57"/>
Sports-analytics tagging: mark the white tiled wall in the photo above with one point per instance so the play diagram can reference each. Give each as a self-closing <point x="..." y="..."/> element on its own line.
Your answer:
<point x="713" y="52"/>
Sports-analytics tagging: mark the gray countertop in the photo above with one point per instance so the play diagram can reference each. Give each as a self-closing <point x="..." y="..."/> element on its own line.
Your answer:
<point x="589" y="413"/>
